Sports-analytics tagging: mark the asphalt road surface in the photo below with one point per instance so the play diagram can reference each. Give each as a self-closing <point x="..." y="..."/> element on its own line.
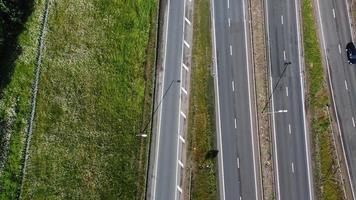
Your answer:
<point x="164" y="182"/>
<point x="336" y="33"/>
<point x="238" y="166"/>
<point x="290" y="140"/>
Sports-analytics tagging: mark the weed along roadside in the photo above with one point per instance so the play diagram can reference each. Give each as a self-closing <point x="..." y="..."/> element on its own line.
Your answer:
<point x="93" y="97"/>
<point x="327" y="184"/>
<point x="201" y="125"/>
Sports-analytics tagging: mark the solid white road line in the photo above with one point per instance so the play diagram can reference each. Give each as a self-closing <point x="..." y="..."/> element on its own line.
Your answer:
<point x="282" y="19"/>
<point x="333" y="95"/>
<point x="233" y="85"/>
<point x="287" y="90"/>
<point x="346" y="85"/>
<point x="160" y="109"/>
<point x="334" y="13"/>
<point x="289" y="129"/>
<point x="249" y="100"/>
<point x="216" y="80"/>
<point x="349" y="23"/>
<point x="301" y="72"/>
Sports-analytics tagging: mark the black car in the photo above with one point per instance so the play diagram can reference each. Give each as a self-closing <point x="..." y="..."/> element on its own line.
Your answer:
<point x="351" y="53"/>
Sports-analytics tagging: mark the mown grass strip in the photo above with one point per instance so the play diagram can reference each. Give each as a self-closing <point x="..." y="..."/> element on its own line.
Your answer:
<point x="201" y="124"/>
<point x="325" y="177"/>
<point x="90" y="105"/>
<point x="14" y="100"/>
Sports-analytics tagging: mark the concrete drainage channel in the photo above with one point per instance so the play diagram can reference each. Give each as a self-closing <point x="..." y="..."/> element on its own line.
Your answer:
<point x="184" y="96"/>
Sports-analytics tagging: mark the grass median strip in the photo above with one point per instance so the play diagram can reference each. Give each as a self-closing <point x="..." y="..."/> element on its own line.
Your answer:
<point x="324" y="155"/>
<point x="201" y="124"/>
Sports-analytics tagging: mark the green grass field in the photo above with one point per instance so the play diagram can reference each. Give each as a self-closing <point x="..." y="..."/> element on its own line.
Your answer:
<point x="201" y="124"/>
<point x="14" y="103"/>
<point x="91" y="101"/>
<point x="325" y="178"/>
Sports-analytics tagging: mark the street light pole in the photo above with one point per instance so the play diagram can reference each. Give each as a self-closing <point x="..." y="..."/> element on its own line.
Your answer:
<point x="286" y="64"/>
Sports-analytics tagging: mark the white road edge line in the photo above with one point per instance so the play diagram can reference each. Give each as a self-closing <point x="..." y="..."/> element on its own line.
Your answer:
<point x="218" y="121"/>
<point x="249" y="99"/>
<point x="160" y="109"/>
<point x="333" y="95"/>
<point x="301" y="68"/>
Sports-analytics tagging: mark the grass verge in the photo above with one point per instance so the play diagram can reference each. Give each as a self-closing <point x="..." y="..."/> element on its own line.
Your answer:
<point x="325" y="176"/>
<point x="14" y="102"/>
<point x="91" y="102"/>
<point x="201" y="124"/>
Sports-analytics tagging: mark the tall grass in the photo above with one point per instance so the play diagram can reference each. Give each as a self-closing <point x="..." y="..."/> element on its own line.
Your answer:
<point x="201" y="123"/>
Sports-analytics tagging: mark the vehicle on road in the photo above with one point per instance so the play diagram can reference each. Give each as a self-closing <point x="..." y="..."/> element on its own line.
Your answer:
<point x="351" y="52"/>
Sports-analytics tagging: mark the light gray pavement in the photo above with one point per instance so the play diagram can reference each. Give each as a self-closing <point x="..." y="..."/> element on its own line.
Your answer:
<point x="335" y="31"/>
<point x="290" y="136"/>
<point x="237" y="144"/>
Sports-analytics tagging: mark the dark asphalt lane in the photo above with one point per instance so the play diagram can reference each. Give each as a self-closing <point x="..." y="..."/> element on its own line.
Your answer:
<point x="166" y="160"/>
<point x="238" y="171"/>
<point x="336" y="33"/>
<point x="290" y="143"/>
